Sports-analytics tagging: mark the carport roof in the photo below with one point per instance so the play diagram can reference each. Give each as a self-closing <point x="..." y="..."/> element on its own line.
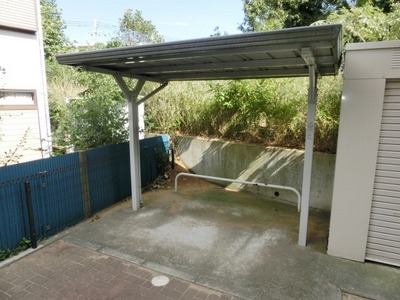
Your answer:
<point x="278" y="53"/>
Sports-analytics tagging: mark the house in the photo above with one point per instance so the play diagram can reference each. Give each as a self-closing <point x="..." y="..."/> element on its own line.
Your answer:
<point x="24" y="115"/>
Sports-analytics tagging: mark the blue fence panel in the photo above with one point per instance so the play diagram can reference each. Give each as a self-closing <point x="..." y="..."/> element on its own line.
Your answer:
<point x="109" y="175"/>
<point x="59" y="193"/>
<point x="12" y="221"/>
<point x="56" y="197"/>
<point x="57" y="187"/>
<point x="153" y="152"/>
<point x="109" y="170"/>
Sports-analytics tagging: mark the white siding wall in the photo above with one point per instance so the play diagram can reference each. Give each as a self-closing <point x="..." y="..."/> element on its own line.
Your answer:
<point x="22" y="59"/>
<point x="20" y="14"/>
<point x="22" y="131"/>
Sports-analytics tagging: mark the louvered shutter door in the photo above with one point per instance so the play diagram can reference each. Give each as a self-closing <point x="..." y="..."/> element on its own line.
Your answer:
<point x="384" y="229"/>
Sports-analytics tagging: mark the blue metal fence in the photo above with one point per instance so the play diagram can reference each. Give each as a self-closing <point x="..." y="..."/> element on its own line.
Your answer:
<point x="152" y="154"/>
<point x="56" y="197"/>
<point x="66" y="189"/>
<point x="107" y="188"/>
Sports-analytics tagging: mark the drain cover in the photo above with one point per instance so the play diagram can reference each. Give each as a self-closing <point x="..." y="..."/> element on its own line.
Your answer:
<point x="159" y="280"/>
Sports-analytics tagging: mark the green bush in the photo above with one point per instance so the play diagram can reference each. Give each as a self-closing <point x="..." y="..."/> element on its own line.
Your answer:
<point x="271" y="111"/>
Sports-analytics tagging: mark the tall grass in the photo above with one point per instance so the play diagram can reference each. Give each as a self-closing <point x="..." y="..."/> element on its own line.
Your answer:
<point x="62" y="85"/>
<point x="180" y="108"/>
<point x="271" y="112"/>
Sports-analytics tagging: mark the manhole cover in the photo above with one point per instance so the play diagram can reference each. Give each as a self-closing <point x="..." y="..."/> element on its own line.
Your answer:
<point x="159" y="280"/>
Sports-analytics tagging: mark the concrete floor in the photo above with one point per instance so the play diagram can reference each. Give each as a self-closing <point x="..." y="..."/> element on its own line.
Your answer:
<point x="234" y="242"/>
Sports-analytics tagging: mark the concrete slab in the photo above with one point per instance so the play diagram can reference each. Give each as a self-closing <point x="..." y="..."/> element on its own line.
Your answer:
<point x="235" y="242"/>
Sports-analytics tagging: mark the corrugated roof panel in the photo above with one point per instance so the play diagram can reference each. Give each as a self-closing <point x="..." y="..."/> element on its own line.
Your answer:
<point x="251" y="55"/>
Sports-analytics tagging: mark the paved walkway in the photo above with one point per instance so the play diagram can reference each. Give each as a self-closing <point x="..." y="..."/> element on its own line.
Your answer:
<point x="64" y="270"/>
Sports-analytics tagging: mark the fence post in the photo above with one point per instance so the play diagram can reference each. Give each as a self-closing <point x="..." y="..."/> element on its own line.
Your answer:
<point x="172" y="155"/>
<point x="31" y="217"/>
<point x="85" y="184"/>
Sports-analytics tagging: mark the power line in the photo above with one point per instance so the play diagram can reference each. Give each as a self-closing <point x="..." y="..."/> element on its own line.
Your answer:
<point x="98" y="29"/>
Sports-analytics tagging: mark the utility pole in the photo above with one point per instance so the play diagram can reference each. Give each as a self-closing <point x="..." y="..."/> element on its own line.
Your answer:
<point x="95" y="32"/>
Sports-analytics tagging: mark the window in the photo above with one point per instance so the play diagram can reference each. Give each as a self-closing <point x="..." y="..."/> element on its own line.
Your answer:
<point x="17" y="100"/>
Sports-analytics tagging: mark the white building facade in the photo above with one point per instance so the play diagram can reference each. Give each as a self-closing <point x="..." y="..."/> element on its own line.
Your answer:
<point x="24" y="115"/>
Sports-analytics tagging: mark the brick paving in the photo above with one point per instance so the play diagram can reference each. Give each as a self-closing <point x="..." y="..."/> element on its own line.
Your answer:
<point x="66" y="271"/>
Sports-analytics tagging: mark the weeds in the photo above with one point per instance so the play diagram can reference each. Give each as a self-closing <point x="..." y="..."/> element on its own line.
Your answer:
<point x="22" y="246"/>
<point x="271" y="112"/>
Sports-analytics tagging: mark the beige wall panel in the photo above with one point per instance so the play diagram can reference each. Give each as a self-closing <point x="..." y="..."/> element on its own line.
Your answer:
<point x="360" y="120"/>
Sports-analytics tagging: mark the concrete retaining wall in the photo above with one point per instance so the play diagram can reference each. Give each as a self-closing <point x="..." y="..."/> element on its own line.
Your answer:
<point x="260" y="164"/>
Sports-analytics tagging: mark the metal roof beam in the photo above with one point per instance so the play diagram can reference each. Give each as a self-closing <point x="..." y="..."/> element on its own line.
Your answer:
<point x="247" y="64"/>
<point x="151" y="94"/>
<point x="252" y="74"/>
<point x="130" y="95"/>
<point x="119" y="73"/>
<point x="308" y="56"/>
<point x="240" y="50"/>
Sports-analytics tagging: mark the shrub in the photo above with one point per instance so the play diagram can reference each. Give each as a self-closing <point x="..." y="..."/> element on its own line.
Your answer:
<point x="271" y="111"/>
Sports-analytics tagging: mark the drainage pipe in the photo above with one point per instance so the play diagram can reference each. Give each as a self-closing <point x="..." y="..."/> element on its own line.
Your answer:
<point x="282" y="187"/>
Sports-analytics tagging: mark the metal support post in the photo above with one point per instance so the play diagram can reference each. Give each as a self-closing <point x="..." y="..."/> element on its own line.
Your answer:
<point x="308" y="156"/>
<point x="134" y="146"/>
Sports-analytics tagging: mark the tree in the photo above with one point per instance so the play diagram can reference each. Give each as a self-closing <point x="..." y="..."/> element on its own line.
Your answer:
<point x="277" y="14"/>
<point x="385" y="5"/>
<point x="217" y="32"/>
<point x="87" y="110"/>
<point x="363" y="20"/>
<point x="53" y="26"/>
<point x="135" y="30"/>
<point x="98" y="116"/>
<point x="366" y="23"/>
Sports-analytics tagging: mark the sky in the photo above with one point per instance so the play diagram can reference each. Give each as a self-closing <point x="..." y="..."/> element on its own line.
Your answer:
<point x="91" y="21"/>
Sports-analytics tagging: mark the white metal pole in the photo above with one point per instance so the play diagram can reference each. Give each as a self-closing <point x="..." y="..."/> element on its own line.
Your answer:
<point x="134" y="147"/>
<point x="308" y="155"/>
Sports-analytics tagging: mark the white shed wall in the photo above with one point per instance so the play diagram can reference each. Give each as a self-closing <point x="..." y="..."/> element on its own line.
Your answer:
<point x="367" y="66"/>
